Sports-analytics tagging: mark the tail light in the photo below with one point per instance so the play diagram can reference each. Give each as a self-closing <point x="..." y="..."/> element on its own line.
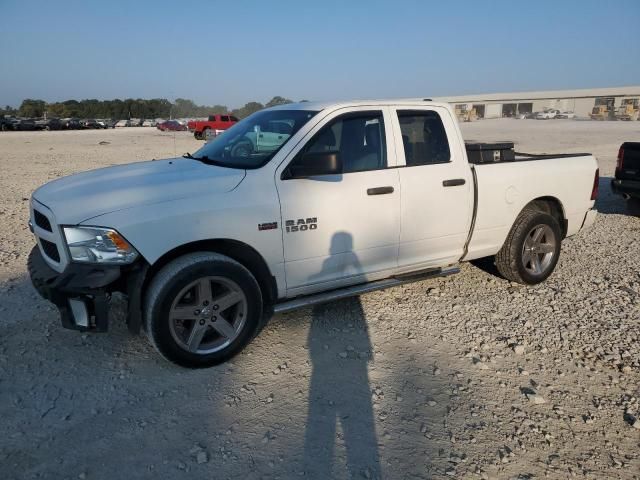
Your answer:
<point x="596" y="182"/>
<point x="620" y="161"/>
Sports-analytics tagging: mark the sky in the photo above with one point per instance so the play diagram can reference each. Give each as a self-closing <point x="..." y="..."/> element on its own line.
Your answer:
<point x="232" y="52"/>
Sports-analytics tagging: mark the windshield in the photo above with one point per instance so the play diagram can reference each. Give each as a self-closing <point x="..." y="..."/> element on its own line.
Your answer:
<point x="255" y="140"/>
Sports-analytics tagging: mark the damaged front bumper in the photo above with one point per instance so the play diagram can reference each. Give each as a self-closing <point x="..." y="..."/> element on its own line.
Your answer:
<point x="82" y="291"/>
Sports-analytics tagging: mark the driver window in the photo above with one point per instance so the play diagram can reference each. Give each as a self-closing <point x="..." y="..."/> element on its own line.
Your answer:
<point x="358" y="138"/>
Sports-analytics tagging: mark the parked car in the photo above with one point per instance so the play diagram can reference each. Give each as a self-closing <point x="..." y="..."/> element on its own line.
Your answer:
<point x="214" y="122"/>
<point x="6" y="124"/>
<point x="527" y="115"/>
<point x="349" y="200"/>
<point x="123" y="123"/>
<point x="91" y="123"/>
<point x="171" y="125"/>
<point x="547" y="114"/>
<point x="48" y="124"/>
<point x="23" y="124"/>
<point x="565" y="115"/>
<point x="149" y="123"/>
<point x="627" y="175"/>
<point x="71" y="124"/>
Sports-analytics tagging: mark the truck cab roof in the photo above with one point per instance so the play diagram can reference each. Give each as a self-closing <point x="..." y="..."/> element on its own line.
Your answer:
<point x="319" y="106"/>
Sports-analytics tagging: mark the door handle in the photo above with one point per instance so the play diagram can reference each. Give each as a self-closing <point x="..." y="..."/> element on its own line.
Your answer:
<point x="379" y="190"/>
<point x="453" y="182"/>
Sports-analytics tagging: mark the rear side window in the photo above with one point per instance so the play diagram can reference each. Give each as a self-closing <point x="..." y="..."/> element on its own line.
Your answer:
<point x="233" y="119"/>
<point x="224" y="118"/>
<point x="423" y="137"/>
<point x="358" y="138"/>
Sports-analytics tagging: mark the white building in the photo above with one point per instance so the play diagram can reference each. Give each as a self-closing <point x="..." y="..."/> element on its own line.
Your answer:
<point x="496" y="105"/>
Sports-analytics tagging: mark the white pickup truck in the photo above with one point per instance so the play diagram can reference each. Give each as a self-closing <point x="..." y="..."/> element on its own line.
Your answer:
<point x="355" y="196"/>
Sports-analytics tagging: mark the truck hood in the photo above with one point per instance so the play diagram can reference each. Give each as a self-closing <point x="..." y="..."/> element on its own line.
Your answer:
<point x="78" y="198"/>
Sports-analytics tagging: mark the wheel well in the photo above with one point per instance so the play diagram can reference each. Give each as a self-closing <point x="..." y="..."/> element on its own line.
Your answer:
<point x="553" y="207"/>
<point x="240" y="252"/>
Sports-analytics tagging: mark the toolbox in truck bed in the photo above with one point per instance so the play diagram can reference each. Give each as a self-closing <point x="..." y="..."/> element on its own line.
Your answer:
<point x="482" y="152"/>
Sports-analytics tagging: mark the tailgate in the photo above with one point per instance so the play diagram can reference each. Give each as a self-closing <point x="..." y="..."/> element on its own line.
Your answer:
<point x="629" y="168"/>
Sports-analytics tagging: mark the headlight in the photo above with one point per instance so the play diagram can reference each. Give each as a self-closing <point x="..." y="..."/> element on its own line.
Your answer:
<point x="98" y="245"/>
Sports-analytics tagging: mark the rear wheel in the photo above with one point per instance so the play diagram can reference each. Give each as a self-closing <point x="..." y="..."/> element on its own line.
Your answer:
<point x="201" y="309"/>
<point x="531" y="251"/>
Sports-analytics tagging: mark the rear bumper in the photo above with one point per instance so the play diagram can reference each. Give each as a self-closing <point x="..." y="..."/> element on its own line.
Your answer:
<point x="626" y="187"/>
<point x="81" y="292"/>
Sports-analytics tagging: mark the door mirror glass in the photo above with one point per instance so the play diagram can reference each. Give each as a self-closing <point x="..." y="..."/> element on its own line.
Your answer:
<point x="312" y="164"/>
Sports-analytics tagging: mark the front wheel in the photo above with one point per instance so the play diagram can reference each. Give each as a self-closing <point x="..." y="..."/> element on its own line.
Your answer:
<point x="532" y="248"/>
<point x="242" y="150"/>
<point x="201" y="309"/>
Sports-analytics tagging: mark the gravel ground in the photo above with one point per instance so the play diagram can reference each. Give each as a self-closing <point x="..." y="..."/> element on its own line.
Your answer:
<point x="462" y="377"/>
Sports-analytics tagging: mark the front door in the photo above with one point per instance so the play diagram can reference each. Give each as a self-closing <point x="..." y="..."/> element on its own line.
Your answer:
<point x="342" y="228"/>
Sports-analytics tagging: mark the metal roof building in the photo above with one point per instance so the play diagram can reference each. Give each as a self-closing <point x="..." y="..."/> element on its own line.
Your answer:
<point x="581" y="102"/>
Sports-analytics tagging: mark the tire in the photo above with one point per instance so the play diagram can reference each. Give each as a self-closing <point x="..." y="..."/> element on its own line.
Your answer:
<point x="242" y="150"/>
<point x="178" y="314"/>
<point x="633" y="206"/>
<point x="517" y="262"/>
<point x="203" y="134"/>
<point x="197" y="136"/>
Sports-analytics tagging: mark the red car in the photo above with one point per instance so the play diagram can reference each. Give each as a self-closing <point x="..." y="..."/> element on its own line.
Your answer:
<point x="172" y="126"/>
<point x="214" y="122"/>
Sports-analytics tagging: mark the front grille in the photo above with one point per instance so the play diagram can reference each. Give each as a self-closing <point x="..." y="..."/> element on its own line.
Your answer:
<point x="42" y="221"/>
<point x="50" y="250"/>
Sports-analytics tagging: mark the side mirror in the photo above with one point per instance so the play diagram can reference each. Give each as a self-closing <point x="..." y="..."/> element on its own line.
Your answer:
<point x="314" y="164"/>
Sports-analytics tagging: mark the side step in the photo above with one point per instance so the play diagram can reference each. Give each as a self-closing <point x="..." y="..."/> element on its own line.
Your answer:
<point x="353" y="290"/>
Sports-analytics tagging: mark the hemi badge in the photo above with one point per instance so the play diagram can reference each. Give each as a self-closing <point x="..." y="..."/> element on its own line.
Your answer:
<point x="267" y="226"/>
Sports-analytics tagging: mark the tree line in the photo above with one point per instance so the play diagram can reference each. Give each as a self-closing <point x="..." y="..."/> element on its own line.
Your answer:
<point x="132" y="108"/>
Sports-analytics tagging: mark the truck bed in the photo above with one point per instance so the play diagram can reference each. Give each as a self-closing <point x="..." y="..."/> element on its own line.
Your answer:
<point x="504" y="187"/>
<point x="503" y="151"/>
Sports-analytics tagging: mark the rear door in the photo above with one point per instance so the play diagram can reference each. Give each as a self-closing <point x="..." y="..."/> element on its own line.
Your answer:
<point x="436" y="188"/>
<point x="342" y="229"/>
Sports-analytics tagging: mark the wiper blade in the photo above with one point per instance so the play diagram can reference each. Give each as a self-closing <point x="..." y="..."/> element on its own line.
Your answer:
<point x="203" y="158"/>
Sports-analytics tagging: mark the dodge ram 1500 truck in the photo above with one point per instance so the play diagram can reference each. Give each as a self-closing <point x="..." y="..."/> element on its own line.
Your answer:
<point x="347" y="198"/>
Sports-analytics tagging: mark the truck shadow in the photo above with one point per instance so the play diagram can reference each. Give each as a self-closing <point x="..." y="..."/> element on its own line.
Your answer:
<point x="611" y="203"/>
